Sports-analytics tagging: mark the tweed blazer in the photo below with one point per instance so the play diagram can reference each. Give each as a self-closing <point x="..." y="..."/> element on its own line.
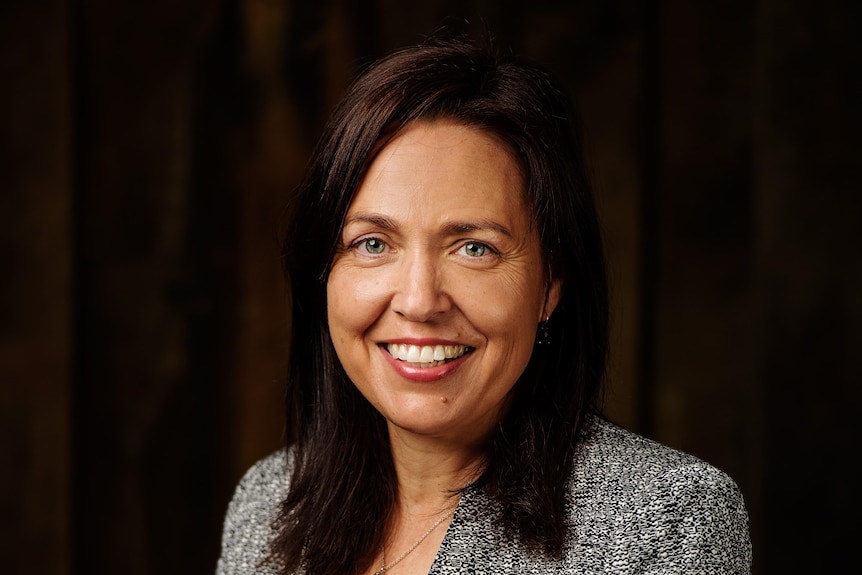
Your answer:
<point x="634" y="506"/>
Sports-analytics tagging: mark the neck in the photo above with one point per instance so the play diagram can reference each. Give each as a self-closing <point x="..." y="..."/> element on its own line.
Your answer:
<point x="430" y="471"/>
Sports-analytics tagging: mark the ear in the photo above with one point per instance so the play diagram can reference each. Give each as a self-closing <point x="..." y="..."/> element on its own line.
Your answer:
<point x="552" y="298"/>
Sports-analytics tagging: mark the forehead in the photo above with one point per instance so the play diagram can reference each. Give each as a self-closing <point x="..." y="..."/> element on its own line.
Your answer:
<point x="443" y="161"/>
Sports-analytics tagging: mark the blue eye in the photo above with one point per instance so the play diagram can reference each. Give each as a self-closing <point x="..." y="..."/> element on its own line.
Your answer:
<point x="475" y="249"/>
<point x="372" y="246"/>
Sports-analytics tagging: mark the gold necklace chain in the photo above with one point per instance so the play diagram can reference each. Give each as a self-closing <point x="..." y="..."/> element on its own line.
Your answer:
<point x="384" y="567"/>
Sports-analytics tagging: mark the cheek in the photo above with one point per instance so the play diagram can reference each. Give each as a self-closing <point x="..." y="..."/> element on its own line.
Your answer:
<point x="511" y="301"/>
<point x="354" y="302"/>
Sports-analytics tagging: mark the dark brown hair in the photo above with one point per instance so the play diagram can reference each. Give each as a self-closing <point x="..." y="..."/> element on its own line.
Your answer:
<point x="342" y="485"/>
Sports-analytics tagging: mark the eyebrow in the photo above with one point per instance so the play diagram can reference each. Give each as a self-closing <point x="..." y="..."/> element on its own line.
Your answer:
<point x="466" y="227"/>
<point x="455" y="228"/>
<point x="373" y="219"/>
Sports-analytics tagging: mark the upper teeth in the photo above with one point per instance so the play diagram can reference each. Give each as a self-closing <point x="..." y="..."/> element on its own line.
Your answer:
<point x="425" y="353"/>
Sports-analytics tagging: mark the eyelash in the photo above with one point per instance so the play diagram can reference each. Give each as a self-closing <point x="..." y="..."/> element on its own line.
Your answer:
<point x="488" y="249"/>
<point x="358" y="243"/>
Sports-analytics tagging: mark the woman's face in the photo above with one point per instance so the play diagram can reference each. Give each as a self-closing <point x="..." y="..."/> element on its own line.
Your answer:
<point x="438" y="285"/>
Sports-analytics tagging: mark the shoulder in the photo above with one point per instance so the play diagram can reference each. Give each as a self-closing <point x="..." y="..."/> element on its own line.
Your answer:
<point x="642" y="501"/>
<point x="628" y="458"/>
<point x="247" y="528"/>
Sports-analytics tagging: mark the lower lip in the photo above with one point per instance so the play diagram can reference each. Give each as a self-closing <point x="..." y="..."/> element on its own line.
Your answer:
<point x="423" y="374"/>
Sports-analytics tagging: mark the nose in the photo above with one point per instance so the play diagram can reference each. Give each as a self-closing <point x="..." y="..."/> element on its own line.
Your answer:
<point x="420" y="295"/>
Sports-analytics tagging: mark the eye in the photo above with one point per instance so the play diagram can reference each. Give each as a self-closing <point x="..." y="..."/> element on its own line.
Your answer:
<point x="373" y="246"/>
<point x="476" y="249"/>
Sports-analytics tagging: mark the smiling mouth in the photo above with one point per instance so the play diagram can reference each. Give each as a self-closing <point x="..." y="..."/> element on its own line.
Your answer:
<point x="426" y="355"/>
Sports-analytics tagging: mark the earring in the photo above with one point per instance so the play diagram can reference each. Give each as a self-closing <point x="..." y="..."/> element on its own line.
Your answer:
<point x="544" y="336"/>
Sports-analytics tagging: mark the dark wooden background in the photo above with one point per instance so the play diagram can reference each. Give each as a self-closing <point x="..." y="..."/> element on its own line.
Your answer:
<point x="147" y="151"/>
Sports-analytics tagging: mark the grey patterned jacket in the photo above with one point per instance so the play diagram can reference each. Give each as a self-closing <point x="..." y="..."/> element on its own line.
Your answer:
<point x="635" y="507"/>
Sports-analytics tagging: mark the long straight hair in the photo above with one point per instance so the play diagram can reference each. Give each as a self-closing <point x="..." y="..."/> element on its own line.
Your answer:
<point x="342" y="481"/>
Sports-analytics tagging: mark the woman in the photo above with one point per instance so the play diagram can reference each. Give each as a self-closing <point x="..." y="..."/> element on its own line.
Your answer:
<point x="449" y="339"/>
